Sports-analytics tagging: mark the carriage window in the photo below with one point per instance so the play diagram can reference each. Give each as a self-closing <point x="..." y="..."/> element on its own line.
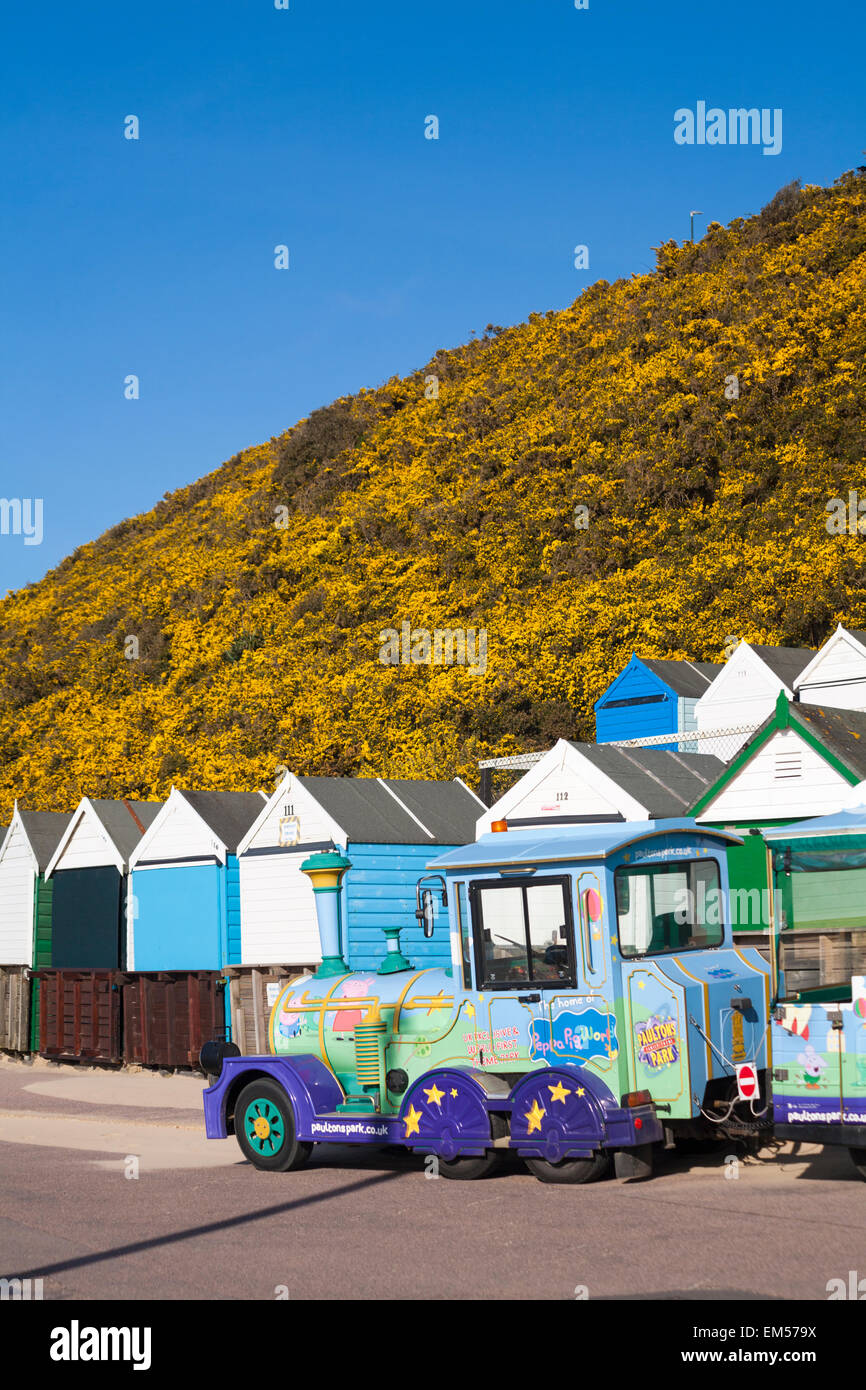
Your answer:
<point x="664" y="908"/>
<point x="523" y="932"/>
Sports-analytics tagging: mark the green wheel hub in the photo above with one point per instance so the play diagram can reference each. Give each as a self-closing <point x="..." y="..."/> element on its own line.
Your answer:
<point x="264" y="1126"/>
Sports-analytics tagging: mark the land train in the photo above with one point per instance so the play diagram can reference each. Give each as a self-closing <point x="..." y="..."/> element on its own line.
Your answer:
<point x="595" y="1011"/>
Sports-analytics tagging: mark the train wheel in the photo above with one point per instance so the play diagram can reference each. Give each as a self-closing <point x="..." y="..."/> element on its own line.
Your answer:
<point x="569" y="1169"/>
<point x="265" y="1128"/>
<point x="858" y="1158"/>
<point x="465" y="1169"/>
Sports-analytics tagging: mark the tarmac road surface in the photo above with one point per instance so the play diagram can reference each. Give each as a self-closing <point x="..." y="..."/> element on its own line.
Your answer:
<point x="198" y="1222"/>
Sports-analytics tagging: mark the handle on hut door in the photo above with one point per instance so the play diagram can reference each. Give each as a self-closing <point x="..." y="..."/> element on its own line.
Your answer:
<point x="529" y="998"/>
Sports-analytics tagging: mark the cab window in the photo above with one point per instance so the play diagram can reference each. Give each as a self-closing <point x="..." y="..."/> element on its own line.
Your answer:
<point x="523" y="932"/>
<point x="665" y="908"/>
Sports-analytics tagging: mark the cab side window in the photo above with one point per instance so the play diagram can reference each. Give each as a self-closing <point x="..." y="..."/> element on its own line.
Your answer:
<point x="523" y="933"/>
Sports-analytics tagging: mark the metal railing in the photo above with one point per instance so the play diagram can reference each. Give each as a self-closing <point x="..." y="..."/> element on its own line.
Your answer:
<point x="681" y="740"/>
<point x="722" y="743"/>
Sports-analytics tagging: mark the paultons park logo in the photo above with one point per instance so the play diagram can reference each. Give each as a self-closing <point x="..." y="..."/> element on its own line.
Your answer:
<point x="587" y="1034"/>
<point x="658" y="1041"/>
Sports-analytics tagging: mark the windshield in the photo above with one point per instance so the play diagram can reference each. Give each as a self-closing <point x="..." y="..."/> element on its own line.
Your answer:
<point x="524" y="931"/>
<point x="664" y="908"/>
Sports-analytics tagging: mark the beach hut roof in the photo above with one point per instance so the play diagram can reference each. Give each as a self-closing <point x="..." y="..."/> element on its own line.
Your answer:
<point x="667" y="783"/>
<point x="397" y="810"/>
<point x="786" y="663"/>
<point x="228" y="814"/>
<point x="838" y="735"/>
<point x="44" y="831"/>
<point x="686" y="678"/>
<point x="125" y="821"/>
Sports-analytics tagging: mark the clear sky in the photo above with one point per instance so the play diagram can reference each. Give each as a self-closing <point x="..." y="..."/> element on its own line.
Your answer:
<point x="306" y="127"/>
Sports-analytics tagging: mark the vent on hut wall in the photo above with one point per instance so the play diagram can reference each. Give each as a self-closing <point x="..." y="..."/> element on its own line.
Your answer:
<point x="789" y="765"/>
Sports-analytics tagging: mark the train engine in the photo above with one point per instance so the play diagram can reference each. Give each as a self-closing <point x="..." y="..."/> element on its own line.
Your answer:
<point x="594" y="1010"/>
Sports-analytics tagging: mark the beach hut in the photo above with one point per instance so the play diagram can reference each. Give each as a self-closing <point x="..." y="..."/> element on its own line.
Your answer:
<point x="25" y="893"/>
<point x="25" y="920"/>
<point x="592" y="783"/>
<point x="185" y="897"/>
<point x="89" y="871"/>
<point x="386" y="827"/>
<point x="652" y="697"/>
<point x="801" y="763"/>
<point x="745" y="691"/>
<point x="836" y="675"/>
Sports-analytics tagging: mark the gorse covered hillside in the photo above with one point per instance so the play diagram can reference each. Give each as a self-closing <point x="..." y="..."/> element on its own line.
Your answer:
<point x="237" y="627"/>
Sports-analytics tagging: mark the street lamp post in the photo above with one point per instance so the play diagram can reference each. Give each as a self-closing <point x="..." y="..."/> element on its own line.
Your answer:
<point x="696" y="212"/>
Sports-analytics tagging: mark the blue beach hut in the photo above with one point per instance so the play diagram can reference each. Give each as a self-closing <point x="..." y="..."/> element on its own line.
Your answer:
<point x="387" y="827"/>
<point x="652" y="697"/>
<point x="185" y="885"/>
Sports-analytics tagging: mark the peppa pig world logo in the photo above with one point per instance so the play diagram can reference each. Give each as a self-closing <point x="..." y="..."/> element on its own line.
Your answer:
<point x="658" y="1041"/>
<point x="585" y="1034"/>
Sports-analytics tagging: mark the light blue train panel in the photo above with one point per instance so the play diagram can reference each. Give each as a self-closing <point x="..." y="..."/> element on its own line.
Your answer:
<point x="187" y="918"/>
<point x="379" y="891"/>
<point x="819" y="1064"/>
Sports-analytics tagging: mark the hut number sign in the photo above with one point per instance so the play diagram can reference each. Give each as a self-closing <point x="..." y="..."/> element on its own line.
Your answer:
<point x="290" y="827"/>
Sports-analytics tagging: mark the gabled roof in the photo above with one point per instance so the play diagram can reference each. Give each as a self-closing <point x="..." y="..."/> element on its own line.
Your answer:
<point x="841" y="634"/>
<point x="785" y="662"/>
<point x="397" y="810"/>
<point x="684" y="678"/>
<point x="447" y="809"/>
<point x="838" y="735"/>
<point x="228" y="814"/>
<point x="842" y="732"/>
<point x="44" y="830"/>
<point x="664" y="781"/>
<point x="558" y="843"/>
<point x="125" y="821"/>
<point x="688" y="678"/>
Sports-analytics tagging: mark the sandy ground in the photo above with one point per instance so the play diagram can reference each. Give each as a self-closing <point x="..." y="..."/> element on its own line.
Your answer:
<point x="155" y="1119"/>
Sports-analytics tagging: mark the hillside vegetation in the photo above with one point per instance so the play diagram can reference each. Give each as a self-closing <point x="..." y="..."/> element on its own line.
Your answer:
<point x="256" y="596"/>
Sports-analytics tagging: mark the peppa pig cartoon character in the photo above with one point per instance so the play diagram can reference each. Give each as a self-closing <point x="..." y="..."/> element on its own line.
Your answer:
<point x="289" y="1024"/>
<point x="345" y="1020"/>
<point x="812" y="1066"/>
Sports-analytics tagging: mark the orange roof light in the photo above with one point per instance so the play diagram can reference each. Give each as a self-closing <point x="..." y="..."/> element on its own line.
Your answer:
<point x="499" y="825"/>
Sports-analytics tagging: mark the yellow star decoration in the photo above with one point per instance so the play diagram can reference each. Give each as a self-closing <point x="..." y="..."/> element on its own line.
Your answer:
<point x="412" y="1121"/>
<point x="454" y="1092"/>
<point x="470" y="1010"/>
<point x="558" y="1092"/>
<point x="581" y="1091"/>
<point x="434" y="1096"/>
<point x="535" y="1116"/>
<point x="641" y="984"/>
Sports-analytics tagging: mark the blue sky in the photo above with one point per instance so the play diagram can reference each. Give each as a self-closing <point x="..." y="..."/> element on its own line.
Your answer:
<point x="305" y="127"/>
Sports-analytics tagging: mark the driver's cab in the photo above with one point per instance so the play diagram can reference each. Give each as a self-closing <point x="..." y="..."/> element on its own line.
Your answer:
<point x="593" y="944"/>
